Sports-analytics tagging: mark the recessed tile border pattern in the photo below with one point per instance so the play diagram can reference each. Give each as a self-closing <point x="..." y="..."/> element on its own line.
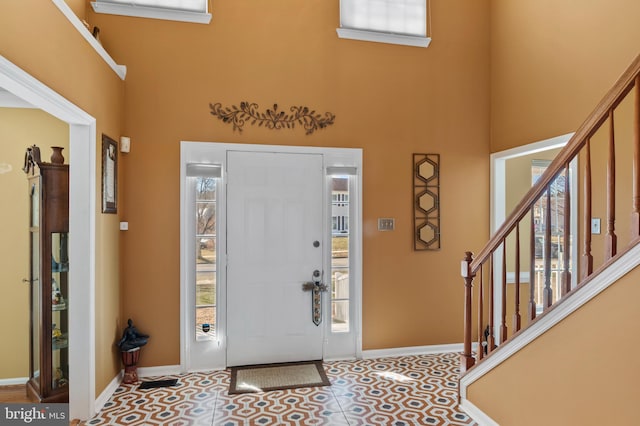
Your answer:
<point x="400" y="391"/>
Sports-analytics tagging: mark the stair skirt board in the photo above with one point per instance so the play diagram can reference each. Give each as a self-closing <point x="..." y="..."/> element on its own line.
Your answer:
<point x="599" y="283"/>
<point x="477" y="414"/>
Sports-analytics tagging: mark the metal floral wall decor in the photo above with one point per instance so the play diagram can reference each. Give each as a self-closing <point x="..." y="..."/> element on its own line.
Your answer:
<point x="310" y="120"/>
<point x="426" y="201"/>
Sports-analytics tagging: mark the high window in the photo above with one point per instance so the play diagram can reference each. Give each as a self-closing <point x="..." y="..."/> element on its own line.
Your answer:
<point x="174" y="10"/>
<point x="385" y="21"/>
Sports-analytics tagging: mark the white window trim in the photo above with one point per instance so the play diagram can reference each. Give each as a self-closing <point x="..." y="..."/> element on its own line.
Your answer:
<point x="151" y="12"/>
<point x="388" y="37"/>
<point x="380" y="37"/>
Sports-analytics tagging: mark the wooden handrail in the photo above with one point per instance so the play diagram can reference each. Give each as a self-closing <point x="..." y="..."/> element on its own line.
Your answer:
<point x="494" y="253"/>
<point x="599" y="115"/>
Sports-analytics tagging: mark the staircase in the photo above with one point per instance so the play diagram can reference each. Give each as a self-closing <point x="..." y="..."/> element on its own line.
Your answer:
<point x="534" y="245"/>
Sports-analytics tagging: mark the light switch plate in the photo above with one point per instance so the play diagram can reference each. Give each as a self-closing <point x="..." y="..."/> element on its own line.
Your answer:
<point x="386" y="224"/>
<point x="125" y="144"/>
<point x="124" y="226"/>
<point x="595" y="225"/>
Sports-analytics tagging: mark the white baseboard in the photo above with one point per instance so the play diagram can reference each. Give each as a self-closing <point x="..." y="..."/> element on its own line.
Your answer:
<point x="203" y="370"/>
<point x="162" y="370"/>
<point x="14" y="381"/>
<point x="338" y="358"/>
<point x="103" y="398"/>
<point x="477" y="414"/>
<point x="412" y="350"/>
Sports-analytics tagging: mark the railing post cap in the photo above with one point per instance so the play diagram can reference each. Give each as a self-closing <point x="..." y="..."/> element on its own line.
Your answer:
<point x="465" y="265"/>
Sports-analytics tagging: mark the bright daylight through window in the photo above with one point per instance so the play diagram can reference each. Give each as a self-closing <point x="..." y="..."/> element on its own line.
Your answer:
<point x="386" y="21"/>
<point x="340" y="253"/>
<point x="174" y="10"/>
<point x="555" y="220"/>
<point x="206" y="255"/>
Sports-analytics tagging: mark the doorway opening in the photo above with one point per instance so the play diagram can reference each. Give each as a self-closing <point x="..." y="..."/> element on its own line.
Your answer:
<point x="513" y="172"/>
<point x="82" y="188"/>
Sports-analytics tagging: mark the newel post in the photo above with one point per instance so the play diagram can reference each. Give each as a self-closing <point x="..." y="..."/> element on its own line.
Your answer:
<point x="466" y="358"/>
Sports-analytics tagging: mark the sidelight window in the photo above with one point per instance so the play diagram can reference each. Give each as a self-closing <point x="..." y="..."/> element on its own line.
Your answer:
<point x="340" y="254"/>
<point x="203" y="181"/>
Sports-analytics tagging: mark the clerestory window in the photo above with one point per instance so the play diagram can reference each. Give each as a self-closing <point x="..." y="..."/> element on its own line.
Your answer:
<point x="385" y="21"/>
<point x="196" y="11"/>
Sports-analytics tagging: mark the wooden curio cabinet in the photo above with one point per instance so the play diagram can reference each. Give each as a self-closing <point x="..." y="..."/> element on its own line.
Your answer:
<point x="49" y="269"/>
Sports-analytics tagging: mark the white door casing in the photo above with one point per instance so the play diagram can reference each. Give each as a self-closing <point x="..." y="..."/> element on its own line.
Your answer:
<point x="274" y="243"/>
<point x="82" y="155"/>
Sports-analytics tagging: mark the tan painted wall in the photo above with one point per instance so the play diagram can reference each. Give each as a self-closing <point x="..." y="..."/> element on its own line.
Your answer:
<point x="586" y="358"/>
<point x="552" y="61"/>
<point x="79" y="7"/>
<point x="390" y="100"/>
<point x="19" y="128"/>
<point x="35" y="36"/>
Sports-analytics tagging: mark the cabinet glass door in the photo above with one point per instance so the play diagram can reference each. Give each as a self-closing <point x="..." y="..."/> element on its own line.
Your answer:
<point x="59" y="313"/>
<point x="34" y="282"/>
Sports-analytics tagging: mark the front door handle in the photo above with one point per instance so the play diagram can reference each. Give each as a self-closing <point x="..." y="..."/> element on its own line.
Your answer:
<point x="316" y="287"/>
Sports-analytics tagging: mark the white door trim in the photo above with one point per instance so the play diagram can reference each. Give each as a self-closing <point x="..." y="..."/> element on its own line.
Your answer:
<point x="215" y="153"/>
<point x="82" y="216"/>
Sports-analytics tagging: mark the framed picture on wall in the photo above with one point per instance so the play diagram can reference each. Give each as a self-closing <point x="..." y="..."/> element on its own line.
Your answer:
<point x="109" y="175"/>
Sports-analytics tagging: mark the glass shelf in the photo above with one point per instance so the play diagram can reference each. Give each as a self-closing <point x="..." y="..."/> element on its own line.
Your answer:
<point x="61" y="342"/>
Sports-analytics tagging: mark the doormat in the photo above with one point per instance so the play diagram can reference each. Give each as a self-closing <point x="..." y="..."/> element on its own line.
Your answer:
<point x="158" y="384"/>
<point x="270" y="377"/>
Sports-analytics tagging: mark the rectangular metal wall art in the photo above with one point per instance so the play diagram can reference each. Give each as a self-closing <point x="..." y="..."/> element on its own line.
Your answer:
<point x="426" y="201"/>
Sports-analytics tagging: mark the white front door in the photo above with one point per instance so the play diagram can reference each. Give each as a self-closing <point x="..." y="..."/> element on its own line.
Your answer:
<point x="275" y="242"/>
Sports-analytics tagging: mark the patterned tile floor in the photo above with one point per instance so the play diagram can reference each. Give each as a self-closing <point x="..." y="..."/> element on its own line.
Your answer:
<point x="402" y="391"/>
